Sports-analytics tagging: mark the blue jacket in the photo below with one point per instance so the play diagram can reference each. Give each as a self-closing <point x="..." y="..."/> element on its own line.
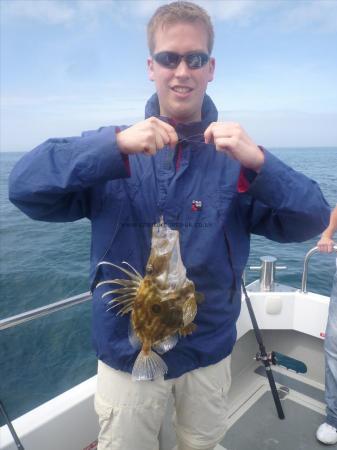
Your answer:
<point x="71" y="178"/>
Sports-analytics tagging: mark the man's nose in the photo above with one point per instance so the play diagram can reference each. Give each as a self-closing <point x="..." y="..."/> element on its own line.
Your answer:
<point x="182" y="69"/>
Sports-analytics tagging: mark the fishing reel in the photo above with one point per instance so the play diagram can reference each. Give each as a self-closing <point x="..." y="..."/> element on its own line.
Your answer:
<point x="278" y="359"/>
<point x="274" y="358"/>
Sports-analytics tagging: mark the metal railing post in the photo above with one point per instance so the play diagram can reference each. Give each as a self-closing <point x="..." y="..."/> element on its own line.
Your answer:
<point x="305" y="267"/>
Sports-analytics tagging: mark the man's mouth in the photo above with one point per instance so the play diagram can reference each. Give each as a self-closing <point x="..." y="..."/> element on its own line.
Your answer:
<point x="182" y="89"/>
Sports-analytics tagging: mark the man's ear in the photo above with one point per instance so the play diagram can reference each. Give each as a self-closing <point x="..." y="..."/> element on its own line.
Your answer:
<point x="150" y="68"/>
<point x="211" y="69"/>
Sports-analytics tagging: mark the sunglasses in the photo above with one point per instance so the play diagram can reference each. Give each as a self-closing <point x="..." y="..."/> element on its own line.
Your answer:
<point x="171" y="60"/>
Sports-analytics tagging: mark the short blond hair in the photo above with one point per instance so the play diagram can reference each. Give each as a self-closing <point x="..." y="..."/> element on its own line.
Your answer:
<point x="179" y="11"/>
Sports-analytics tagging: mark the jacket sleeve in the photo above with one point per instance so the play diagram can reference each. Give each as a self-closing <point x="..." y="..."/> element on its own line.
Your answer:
<point x="53" y="181"/>
<point x="285" y="205"/>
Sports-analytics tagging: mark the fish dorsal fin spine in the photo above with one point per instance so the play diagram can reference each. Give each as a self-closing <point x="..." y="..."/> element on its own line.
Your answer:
<point x="133" y="276"/>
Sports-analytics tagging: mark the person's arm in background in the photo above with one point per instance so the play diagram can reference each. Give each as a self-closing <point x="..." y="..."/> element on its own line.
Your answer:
<point x="326" y="242"/>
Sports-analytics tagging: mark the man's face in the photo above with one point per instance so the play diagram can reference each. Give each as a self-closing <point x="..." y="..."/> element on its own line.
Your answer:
<point x="181" y="90"/>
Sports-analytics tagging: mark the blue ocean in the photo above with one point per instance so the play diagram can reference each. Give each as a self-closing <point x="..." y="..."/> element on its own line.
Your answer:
<point x="44" y="262"/>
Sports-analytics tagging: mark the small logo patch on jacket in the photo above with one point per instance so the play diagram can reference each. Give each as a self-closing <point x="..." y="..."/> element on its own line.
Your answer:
<point x="196" y="205"/>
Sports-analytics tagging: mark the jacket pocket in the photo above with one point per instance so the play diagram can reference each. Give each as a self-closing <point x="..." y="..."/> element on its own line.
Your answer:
<point x="225" y="199"/>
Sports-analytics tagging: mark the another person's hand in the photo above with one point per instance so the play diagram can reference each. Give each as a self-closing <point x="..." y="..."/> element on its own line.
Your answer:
<point x="147" y="136"/>
<point x="325" y="244"/>
<point x="230" y="138"/>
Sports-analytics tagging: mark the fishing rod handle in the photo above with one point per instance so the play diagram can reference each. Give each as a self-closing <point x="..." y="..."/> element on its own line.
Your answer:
<point x="274" y="392"/>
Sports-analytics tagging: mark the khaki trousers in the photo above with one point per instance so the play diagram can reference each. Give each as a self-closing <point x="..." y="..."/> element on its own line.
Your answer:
<point x="131" y="412"/>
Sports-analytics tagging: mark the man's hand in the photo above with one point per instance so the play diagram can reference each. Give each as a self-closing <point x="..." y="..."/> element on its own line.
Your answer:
<point x="325" y="244"/>
<point x="230" y="138"/>
<point x="147" y="137"/>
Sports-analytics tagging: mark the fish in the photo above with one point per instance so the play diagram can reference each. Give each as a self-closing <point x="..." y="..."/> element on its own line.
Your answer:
<point x="162" y="304"/>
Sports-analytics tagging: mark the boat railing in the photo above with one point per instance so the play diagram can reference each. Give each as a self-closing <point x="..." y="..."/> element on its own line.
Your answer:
<point x="305" y="267"/>
<point x="267" y="276"/>
<point x="33" y="314"/>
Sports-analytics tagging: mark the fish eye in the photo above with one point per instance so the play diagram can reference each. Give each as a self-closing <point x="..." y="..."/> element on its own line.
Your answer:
<point x="156" y="309"/>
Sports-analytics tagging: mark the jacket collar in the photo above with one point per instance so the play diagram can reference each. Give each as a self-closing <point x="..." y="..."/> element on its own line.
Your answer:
<point x="209" y="114"/>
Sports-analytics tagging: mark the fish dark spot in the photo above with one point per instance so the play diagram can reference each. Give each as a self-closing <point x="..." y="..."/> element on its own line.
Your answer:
<point x="156" y="309"/>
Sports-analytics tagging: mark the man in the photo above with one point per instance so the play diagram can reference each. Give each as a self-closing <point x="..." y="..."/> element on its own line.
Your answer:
<point x="327" y="432"/>
<point x="207" y="178"/>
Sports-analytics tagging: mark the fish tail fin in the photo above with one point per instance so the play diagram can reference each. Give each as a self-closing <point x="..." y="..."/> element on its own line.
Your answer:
<point x="148" y="366"/>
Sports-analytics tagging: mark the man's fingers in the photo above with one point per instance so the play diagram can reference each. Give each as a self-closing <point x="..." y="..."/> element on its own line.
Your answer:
<point x="226" y="145"/>
<point x="230" y="138"/>
<point x="218" y="130"/>
<point x="167" y="132"/>
<point x="173" y="138"/>
<point x="221" y="137"/>
<point x="208" y="134"/>
<point x="150" y="150"/>
<point x="170" y="132"/>
<point x="165" y="136"/>
<point x="146" y="137"/>
<point x="160" y="138"/>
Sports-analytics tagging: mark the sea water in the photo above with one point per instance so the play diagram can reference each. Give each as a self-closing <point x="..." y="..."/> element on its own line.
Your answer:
<point x="44" y="262"/>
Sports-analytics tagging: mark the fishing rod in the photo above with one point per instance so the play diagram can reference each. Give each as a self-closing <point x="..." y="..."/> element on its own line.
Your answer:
<point x="10" y="426"/>
<point x="275" y="358"/>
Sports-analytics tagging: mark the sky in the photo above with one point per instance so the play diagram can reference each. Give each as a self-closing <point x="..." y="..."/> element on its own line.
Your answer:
<point x="67" y="66"/>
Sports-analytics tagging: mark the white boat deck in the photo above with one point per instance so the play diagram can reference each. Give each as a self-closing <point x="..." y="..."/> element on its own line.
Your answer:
<point x="253" y="420"/>
<point x="291" y="322"/>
